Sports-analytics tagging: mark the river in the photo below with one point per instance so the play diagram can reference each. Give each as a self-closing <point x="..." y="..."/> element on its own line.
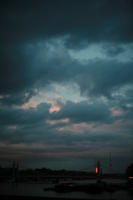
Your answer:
<point x="37" y="189"/>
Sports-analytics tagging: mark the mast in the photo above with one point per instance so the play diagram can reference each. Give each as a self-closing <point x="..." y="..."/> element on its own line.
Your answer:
<point x="110" y="163"/>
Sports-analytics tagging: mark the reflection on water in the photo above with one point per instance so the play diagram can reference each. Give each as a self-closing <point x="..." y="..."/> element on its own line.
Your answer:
<point x="37" y="189"/>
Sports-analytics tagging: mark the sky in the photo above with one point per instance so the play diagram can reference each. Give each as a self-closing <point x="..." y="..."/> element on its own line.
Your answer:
<point x="66" y="83"/>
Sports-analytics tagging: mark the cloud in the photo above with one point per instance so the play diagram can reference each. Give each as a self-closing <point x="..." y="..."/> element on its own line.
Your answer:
<point x="42" y="64"/>
<point x="80" y="51"/>
<point x="18" y="116"/>
<point x="92" y="21"/>
<point x="84" y="112"/>
<point x="31" y="52"/>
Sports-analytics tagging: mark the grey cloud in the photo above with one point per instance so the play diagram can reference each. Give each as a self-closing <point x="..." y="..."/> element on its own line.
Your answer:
<point x="24" y="23"/>
<point x="15" y="70"/>
<point x="30" y="125"/>
<point x="91" y="20"/>
<point x="19" y="125"/>
<point x="84" y="112"/>
<point x="16" y="99"/>
<point x="18" y="116"/>
<point x="104" y="77"/>
<point x="26" y="72"/>
<point x="113" y="49"/>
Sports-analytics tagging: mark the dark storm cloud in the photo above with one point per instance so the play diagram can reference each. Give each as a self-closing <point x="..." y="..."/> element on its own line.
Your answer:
<point x="76" y="112"/>
<point x="33" y="125"/>
<point x="84" y="112"/>
<point x="104" y="77"/>
<point x="24" y="70"/>
<point x="113" y="49"/>
<point x="15" y="71"/>
<point x="18" y="116"/>
<point x="89" y="20"/>
<point x="19" y="125"/>
<point x="24" y="23"/>
<point x="16" y="99"/>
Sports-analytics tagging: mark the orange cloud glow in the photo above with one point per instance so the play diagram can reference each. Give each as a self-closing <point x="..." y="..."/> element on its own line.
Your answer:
<point x="53" y="122"/>
<point x="12" y="127"/>
<point x="76" y="128"/>
<point x="30" y="104"/>
<point x="54" y="108"/>
<point x="116" y="112"/>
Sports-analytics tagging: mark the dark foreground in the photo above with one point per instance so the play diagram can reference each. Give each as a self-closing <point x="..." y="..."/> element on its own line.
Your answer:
<point x="96" y="190"/>
<point x="8" y="197"/>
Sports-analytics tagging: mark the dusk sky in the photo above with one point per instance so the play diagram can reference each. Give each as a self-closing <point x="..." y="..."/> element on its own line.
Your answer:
<point x="66" y="83"/>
